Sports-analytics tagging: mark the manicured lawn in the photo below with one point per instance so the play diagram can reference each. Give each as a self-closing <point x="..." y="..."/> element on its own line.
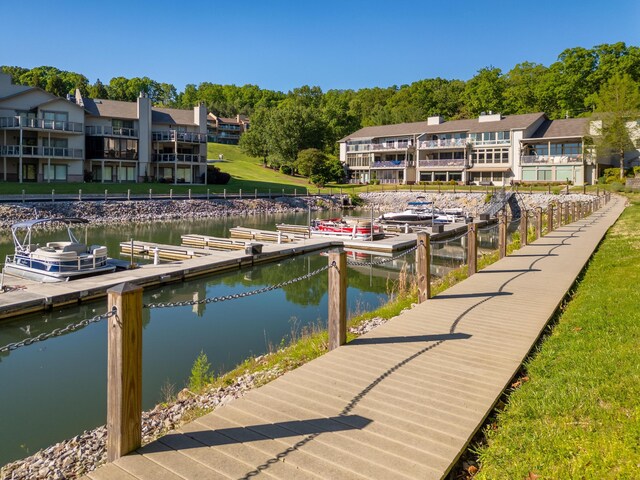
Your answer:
<point x="578" y="415"/>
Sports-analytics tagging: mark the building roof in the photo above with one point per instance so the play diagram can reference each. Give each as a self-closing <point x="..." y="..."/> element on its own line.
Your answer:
<point x="111" y="108"/>
<point x="172" y="116"/>
<point x="564" y="128"/>
<point x="473" y="125"/>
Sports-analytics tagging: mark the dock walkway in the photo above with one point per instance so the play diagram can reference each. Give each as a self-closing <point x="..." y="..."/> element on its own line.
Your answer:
<point x="401" y="402"/>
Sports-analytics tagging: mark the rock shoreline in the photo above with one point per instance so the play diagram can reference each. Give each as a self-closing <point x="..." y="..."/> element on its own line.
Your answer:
<point x="158" y="210"/>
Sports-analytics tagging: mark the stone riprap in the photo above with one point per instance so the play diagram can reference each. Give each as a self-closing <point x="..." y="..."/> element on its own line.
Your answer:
<point x="155" y="210"/>
<point x="472" y="203"/>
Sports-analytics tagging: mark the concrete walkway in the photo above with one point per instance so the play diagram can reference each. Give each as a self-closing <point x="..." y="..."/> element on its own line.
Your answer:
<point x="400" y="402"/>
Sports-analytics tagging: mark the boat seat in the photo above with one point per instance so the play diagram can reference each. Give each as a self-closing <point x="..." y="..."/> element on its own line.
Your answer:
<point x="75" y="247"/>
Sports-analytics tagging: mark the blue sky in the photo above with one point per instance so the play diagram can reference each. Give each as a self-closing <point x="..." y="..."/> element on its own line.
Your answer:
<point x="283" y="44"/>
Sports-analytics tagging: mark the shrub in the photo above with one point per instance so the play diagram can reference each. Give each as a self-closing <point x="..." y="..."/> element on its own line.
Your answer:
<point x="200" y="373"/>
<point x="636" y="171"/>
<point x="216" y="177"/>
<point x="286" y="169"/>
<point x="617" y="186"/>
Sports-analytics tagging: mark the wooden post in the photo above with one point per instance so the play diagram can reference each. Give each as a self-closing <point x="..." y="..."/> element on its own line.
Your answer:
<point x="523" y="228"/>
<point x="472" y="248"/>
<point x="337" y="292"/>
<point x="538" y="222"/>
<point x="423" y="267"/>
<point x="80" y="195"/>
<point x="573" y="211"/>
<point x="565" y="207"/>
<point x="550" y="218"/>
<point x="502" y="235"/>
<point x="124" y="371"/>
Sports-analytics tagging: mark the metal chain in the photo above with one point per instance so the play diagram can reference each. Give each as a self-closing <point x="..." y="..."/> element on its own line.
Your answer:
<point x="239" y="295"/>
<point x="58" y="331"/>
<point x="353" y="263"/>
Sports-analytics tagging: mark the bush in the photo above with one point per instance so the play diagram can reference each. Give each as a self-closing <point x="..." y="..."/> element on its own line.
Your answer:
<point x="286" y="169"/>
<point x="617" y="186"/>
<point x="200" y="373"/>
<point x="216" y="177"/>
<point x="636" y="171"/>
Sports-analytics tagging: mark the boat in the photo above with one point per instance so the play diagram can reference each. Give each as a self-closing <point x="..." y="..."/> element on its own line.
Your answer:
<point x="449" y="215"/>
<point x="352" y="228"/>
<point x="417" y="213"/>
<point x="56" y="261"/>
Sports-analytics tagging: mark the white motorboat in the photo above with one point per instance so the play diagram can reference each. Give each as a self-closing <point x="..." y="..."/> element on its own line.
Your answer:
<point x="56" y="261"/>
<point x="419" y="212"/>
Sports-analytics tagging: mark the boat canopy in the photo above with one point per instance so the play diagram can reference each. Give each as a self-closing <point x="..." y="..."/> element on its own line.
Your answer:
<point x="31" y="223"/>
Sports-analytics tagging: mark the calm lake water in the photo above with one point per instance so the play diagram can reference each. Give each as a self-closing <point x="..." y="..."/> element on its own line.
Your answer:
<point x="56" y="389"/>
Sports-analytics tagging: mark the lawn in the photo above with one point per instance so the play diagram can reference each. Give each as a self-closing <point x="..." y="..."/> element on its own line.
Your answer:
<point x="578" y="415"/>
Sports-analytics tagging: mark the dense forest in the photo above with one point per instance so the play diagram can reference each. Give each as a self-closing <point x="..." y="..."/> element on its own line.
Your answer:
<point x="283" y="124"/>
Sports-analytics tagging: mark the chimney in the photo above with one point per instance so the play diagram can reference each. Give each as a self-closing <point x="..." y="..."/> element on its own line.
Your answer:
<point x="437" y="120"/>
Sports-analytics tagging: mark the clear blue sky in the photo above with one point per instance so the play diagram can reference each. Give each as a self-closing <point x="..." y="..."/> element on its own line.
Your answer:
<point x="283" y="44"/>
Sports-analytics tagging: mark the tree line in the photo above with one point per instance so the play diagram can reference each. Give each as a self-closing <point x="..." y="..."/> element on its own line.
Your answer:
<point x="284" y="124"/>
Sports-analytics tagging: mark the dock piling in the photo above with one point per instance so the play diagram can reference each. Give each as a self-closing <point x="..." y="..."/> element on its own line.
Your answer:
<point x="124" y="371"/>
<point x="423" y="267"/>
<point x="337" y="294"/>
<point x="502" y="235"/>
<point x="472" y="248"/>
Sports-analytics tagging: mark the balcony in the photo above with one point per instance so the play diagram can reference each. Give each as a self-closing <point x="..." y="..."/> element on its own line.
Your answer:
<point x="390" y="164"/>
<point x="179" y="157"/>
<point x="483" y="143"/>
<point x="551" y="159"/>
<point x="366" y="147"/>
<point x="108" y="131"/>
<point x="112" y="155"/>
<point x="37" y="151"/>
<point x="444" y="143"/>
<point x="438" y="163"/>
<point x="41" y="124"/>
<point x="174" y="135"/>
<point x="401" y="145"/>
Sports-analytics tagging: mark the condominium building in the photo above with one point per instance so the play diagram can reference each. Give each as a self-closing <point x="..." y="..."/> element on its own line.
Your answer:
<point x="41" y="135"/>
<point x="490" y="150"/>
<point x="226" y="130"/>
<point x="44" y="138"/>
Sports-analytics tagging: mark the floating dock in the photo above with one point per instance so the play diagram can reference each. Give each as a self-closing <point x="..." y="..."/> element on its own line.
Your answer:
<point x="24" y="296"/>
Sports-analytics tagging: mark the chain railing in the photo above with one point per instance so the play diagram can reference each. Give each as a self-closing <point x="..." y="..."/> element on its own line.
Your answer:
<point x="57" y="332"/>
<point x="234" y="296"/>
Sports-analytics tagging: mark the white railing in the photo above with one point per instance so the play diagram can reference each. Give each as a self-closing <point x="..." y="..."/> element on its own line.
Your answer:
<point x="41" y="123"/>
<point x="389" y="164"/>
<point x="368" y="147"/>
<point x="482" y="143"/>
<point x="457" y="162"/>
<point x="444" y="143"/>
<point x="38" y="151"/>
<point x="179" y="157"/>
<point x="99" y="130"/>
<point x="551" y="159"/>
<point x="174" y="135"/>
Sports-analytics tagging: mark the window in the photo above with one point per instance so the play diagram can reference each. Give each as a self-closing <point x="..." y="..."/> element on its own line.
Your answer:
<point x="544" y="174"/>
<point x="506" y="135"/>
<point x="126" y="174"/>
<point x="55" y="147"/>
<point x="55" y="120"/>
<point x="55" y="172"/>
<point x="117" y="123"/>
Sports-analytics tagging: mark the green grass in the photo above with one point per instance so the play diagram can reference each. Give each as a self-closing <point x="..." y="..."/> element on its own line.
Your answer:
<point x="578" y="415"/>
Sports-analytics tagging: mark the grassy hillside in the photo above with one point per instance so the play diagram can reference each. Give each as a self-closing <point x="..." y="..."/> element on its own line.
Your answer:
<point x="248" y="173"/>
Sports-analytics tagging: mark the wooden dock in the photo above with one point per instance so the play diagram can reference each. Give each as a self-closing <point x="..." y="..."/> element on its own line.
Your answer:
<point x="401" y="402"/>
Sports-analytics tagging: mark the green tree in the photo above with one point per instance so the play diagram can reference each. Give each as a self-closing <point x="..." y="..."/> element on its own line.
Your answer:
<point x="201" y="374"/>
<point x="255" y="142"/>
<point x="98" y="90"/>
<point x="56" y="86"/>
<point x="521" y="93"/>
<point x="617" y="105"/>
<point x="484" y="92"/>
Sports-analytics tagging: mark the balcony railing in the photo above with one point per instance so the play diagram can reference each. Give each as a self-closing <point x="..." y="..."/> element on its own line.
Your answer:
<point x="41" y="124"/>
<point x="179" y="157"/>
<point x="38" y="151"/>
<point x="98" y="130"/>
<point x="482" y="143"/>
<point x="390" y="164"/>
<point x="551" y="159"/>
<point x="456" y="162"/>
<point x="370" y="147"/>
<point x="444" y="143"/>
<point x="173" y="135"/>
<point x="113" y="154"/>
